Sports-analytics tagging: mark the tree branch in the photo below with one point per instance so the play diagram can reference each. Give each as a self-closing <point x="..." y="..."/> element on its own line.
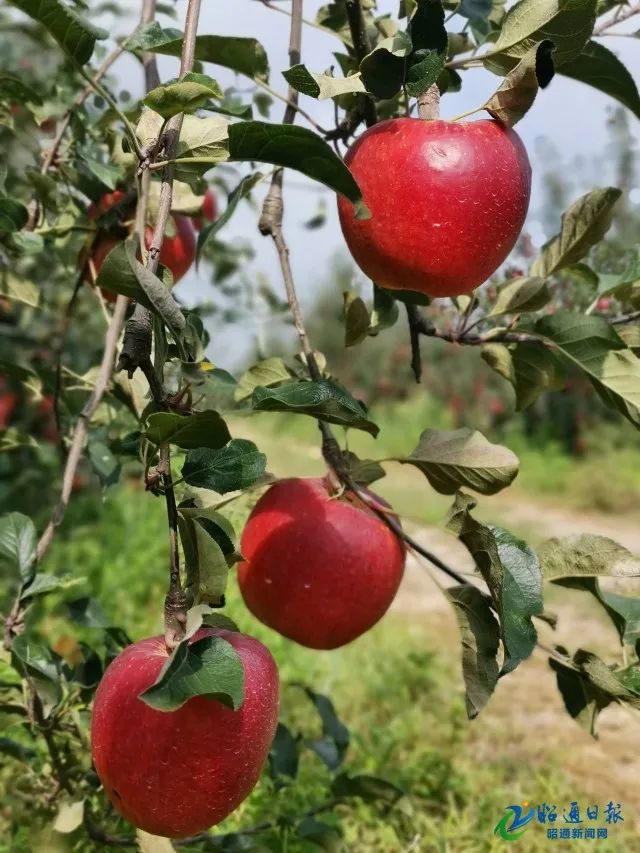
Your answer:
<point x="619" y="16"/>
<point x="82" y="425"/>
<point x="136" y="349"/>
<point x="361" y="47"/>
<point x="270" y="224"/>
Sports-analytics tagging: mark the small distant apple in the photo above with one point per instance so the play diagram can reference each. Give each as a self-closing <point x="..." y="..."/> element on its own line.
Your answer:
<point x="209" y="211"/>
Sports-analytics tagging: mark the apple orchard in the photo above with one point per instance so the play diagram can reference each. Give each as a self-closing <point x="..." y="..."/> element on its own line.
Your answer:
<point x="107" y="203"/>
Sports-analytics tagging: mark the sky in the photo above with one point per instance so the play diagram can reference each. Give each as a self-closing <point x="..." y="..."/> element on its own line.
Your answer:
<point x="570" y="114"/>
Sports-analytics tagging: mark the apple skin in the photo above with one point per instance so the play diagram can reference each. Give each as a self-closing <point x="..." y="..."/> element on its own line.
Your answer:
<point x="177" y="254"/>
<point x="209" y="211"/>
<point x="447" y="202"/>
<point x="318" y="569"/>
<point x="176" y="774"/>
<point x="8" y="402"/>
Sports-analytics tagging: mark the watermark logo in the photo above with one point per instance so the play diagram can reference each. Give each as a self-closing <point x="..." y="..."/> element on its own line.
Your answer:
<point x="567" y="824"/>
<point x="512" y="825"/>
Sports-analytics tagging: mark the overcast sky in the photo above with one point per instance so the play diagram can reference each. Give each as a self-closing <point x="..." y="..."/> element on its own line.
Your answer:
<point x="569" y="113"/>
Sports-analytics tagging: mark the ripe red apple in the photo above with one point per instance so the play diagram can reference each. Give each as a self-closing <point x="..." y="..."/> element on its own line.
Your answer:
<point x="8" y="402"/>
<point x="319" y="569"/>
<point x="178" y="251"/>
<point x="209" y="210"/>
<point x="447" y="202"/>
<point x="178" y="773"/>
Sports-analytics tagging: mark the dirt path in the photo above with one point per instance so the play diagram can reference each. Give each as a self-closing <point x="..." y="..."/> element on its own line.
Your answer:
<point x="526" y="717"/>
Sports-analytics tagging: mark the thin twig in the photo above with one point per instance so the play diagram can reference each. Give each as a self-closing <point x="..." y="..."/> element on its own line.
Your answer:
<point x="413" y="318"/>
<point x="136" y="349"/>
<point x="361" y="47"/>
<point x="82" y="425"/>
<point x="619" y="16"/>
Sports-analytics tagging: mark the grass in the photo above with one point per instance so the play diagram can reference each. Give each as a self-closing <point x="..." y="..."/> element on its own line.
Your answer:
<point x="398" y="689"/>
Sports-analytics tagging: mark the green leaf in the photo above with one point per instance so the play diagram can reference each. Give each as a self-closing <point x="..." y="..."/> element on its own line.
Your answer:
<point x="208" y="541"/>
<point x="104" y="463"/>
<point x="186" y="96"/>
<point x="356" y="319"/>
<point x="591" y="344"/>
<point x="623" y="610"/>
<point x="371" y="789"/>
<point x="331" y="748"/>
<point x="587" y="555"/>
<point x="463" y="457"/>
<point x="519" y="88"/>
<point x="202" y="140"/>
<point x="621" y="285"/>
<point x="601" y="69"/>
<point x="122" y="272"/>
<point x="582" y="700"/>
<point x="41" y="666"/>
<point x="527" y="293"/>
<point x="19" y="289"/>
<point x="18" y="541"/>
<point x="511" y="570"/>
<point x="236" y="466"/>
<point x="13" y="89"/>
<point x="202" y="429"/>
<point x="321" y="399"/>
<point x="567" y="23"/>
<point x="362" y="471"/>
<point x="13" y="215"/>
<point x="16" y="750"/>
<point x="294" y="148"/>
<point x="583" y="225"/>
<point x="530" y="368"/>
<point x="235" y="197"/>
<point x="88" y="612"/>
<point x="42" y="584"/>
<point x="424" y="72"/>
<point x="383" y="69"/>
<point x="209" y="667"/>
<point x="385" y="311"/>
<point x="283" y="755"/>
<point x="603" y="678"/>
<point x="243" y="55"/>
<point x="76" y="36"/>
<point x="268" y="372"/>
<point x="480" y="637"/>
<point x="321" y="86"/>
<point x="474" y="8"/>
<point x="520" y="599"/>
<point x="427" y="27"/>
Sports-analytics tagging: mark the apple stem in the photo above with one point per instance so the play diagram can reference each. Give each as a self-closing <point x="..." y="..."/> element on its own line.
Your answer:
<point x="429" y="104"/>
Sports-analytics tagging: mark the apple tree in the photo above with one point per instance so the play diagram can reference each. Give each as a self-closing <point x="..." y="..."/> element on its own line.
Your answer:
<point x="106" y="202"/>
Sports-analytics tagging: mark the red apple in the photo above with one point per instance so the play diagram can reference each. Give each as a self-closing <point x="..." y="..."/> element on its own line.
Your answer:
<point x="319" y="569"/>
<point x="8" y="402"/>
<point x="107" y="201"/>
<point x="178" y="252"/>
<point x="178" y="773"/>
<point x="209" y="211"/>
<point x="447" y="202"/>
